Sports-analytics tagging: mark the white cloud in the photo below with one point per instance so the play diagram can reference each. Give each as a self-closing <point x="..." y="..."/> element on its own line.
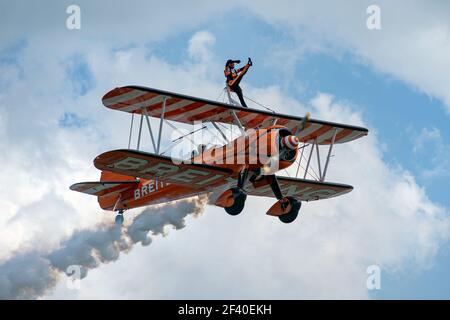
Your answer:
<point x="426" y="136"/>
<point x="413" y="44"/>
<point x="434" y="152"/>
<point x="199" y="45"/>
<point x="388" y="218"/>
<point x="119" y="22"/>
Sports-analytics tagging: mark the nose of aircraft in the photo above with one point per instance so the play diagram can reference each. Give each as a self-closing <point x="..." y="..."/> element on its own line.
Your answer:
<point x="290" y="142"/>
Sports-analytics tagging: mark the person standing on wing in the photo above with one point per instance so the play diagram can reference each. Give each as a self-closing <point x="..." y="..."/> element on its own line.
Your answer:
<point x="234" y="77"/>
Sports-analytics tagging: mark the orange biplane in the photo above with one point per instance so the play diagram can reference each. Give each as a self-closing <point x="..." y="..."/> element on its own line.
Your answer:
<point x="268" y="142"/>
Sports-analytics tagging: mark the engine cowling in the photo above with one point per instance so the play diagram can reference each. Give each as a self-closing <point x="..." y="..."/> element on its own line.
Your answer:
<point x="287" y="148"/>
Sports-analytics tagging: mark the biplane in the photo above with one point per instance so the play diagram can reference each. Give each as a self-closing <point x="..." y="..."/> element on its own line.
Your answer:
<point x="267" y="142"/>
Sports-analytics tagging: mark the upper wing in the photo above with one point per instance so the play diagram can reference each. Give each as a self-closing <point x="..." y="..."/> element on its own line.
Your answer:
<point x="188" y="109"/>
<point x="155" y="167"/>
<point x="302" y="189"/>
<point x="101" y="188"/>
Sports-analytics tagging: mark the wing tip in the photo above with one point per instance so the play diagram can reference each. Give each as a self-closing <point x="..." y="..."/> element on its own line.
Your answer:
<point x="72" y="187"/>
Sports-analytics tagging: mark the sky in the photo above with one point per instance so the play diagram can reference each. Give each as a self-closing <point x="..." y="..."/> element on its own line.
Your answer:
<point x="308" y="56"/>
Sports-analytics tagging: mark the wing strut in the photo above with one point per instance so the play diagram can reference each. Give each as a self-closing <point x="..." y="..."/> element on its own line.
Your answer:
<point x="309" y="159"/>
<point x="131" y="130"/>
<point x="230" y="99"/>
<point x="156" y="146"/>
<point x="318" y="159"/>
<point x="315" y="145"/>
<point x="161" y="122"/>
<point x="140" y="131"/>
<point x="300" y="161"/>
<point x="328" y="156"/>
<point x="238" y="122"/>
<point x="233" y="102"/>
<point x="149" y="128"/>
<point x="220" y="131"/>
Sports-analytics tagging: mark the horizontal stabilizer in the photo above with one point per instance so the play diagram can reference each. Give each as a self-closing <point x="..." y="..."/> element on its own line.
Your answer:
<point x="302" y="189"/>
<point x="156" y="167"/>
<point x="102" y="188"/>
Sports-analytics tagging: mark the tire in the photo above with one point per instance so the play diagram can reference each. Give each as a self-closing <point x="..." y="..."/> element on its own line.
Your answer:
<point x="239" y="202"/>
<point x="293" y="213"/>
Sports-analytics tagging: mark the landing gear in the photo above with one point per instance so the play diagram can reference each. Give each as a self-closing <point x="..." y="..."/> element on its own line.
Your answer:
<point x="292" y="214"/>
<point x="239" y="197"/>
<point x="275" y="187"/>
<point x="119" y="218"/>
<point x="286" y="203"/>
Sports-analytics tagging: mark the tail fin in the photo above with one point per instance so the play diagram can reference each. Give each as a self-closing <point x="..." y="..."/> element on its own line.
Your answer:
<point x="110" y="200"/>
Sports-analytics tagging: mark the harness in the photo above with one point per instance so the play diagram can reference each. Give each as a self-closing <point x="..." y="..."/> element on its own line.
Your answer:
<point x="230" y="74"/>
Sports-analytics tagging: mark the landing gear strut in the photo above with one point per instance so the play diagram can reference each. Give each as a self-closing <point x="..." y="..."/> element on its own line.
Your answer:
<point x="119" y="218"/>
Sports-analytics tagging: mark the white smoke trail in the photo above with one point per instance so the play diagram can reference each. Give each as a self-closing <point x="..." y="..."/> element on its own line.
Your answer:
<point x="29" y="275"/>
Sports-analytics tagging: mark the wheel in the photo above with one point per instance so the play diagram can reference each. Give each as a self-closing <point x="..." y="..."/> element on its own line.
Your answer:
<point x="293" y="213"/>
<point x="239" y="202"/>
<point x="119" y="219"/>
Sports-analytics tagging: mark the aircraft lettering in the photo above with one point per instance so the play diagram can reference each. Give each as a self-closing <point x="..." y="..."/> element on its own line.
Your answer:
<point x="291" y="190"/>
<point x="160" y="169"/>
<point x="129" y="163"/>
<point x="313" y="195"/>
<point x="150" y="187"/>
<point x="263" y="190"/>
<point x="188" y="176"/>
<point x="215" y="177"/>
<point x="99" y="188"/>
<point x="307" y="193"/>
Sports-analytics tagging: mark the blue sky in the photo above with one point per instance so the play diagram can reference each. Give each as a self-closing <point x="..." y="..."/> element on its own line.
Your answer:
<point x="396" y="110"/>
<point x="406" y="111"/>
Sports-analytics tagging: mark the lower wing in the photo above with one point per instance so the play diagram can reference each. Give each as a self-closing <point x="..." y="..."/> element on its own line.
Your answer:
<point x="156" y="167"/>
<point x="302" y="189"/>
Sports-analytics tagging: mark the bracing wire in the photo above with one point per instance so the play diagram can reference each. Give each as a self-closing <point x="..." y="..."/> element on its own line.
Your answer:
<point x="259" y="104"/>
<point x="222" y="93"/>
<point x="187" y="134"/>
<point x="315" y="176"/>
